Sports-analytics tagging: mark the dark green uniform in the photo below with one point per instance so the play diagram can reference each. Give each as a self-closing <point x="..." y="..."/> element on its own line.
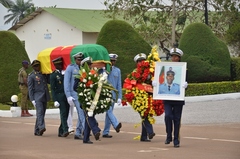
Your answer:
<point x="57" y="89"/>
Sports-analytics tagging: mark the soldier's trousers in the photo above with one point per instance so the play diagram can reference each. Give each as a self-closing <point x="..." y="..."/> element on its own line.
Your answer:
<point x="24" y="91"/>
<point x="147" y="129"/>
<point x="173" y="114"/>
<point x="90" y="124"/>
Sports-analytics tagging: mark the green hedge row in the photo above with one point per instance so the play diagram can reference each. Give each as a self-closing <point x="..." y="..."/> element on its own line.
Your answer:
<point x="198" y="89"/>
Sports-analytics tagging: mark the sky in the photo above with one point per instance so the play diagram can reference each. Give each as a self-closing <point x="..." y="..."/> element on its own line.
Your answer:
<point x="79" y="4"/>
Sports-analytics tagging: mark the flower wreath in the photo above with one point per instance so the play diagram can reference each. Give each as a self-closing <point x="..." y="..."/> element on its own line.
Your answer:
<point x="138" y="89"/>
<point x="87" y="90"/>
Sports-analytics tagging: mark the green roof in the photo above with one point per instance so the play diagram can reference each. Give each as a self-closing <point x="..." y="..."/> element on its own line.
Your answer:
<point x="82" y="19"/>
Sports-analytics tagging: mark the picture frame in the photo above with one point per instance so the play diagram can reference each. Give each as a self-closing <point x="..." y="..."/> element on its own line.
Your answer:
<point x="169" y="72"/>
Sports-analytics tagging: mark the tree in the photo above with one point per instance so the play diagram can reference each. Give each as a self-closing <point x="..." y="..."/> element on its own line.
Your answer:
<point x="18" y="10"/>
<point x="153" y="19"/>
<point x="233" y="37"/>
<point x="6" y="3"/>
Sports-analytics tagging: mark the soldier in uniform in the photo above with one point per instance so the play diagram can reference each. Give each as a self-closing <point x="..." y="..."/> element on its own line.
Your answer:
<point x="22" y="81"/>
<point x="147" y="129"/>
<point x="58" y="95"/>
<point x="90" y="121"/>
<point x="39" y="95"/>
<point x="114" y="78"/>
<point x="169" y="87"/>
<point x="173" y="109"/>
<point x="70" y="89"/>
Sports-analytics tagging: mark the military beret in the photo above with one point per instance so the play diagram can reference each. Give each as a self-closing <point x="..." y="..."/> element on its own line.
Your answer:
<point x="113" y="56"/>
<point x="25" y="62"/>
<point x="87" y="60"/>
<point x="35" y="62"/>
<point x="57" y="60"/>
<point x="176" y="51"/>
<point x="79" y="56"/>
<point x="140" y="56"/>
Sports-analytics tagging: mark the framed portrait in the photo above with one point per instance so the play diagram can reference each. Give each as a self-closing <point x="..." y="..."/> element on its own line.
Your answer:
<point x="169" y="76"/>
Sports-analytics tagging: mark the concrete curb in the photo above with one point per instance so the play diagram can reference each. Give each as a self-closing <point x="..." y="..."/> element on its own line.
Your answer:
<point x="217" y="97"/>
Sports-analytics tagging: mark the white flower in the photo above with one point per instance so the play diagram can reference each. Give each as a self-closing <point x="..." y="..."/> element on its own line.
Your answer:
<point x="83" y="70"/>
<point x="88" y="93"/>
<point x="81" y="94"/>
<point x="86" y="99"/>
<point x="89" y="77"/>
<point x="84" y="80"/>
<point x="88" y="103"/>
<point x="102" y="106"/>
<point x="108" y="99"/>
<point x="91" y="85"/>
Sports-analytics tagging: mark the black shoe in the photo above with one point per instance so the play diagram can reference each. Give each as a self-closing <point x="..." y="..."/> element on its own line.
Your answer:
<point x="177" y="146"/>
<point x="145" y="140"/>
<point x="97" y="135"/>
<point x="65" y="134"/>
<point x="88" y="142"/>
<point x="42" y="131"/>
<point x="76" y="137"/>
<point x="59" y="135"/>
<point x="37" y="134"/>
<point x="107" y="136"/>
<point x="167" y="141"/>
<point x="118" y="127"/>
<point x="150" y="136"/>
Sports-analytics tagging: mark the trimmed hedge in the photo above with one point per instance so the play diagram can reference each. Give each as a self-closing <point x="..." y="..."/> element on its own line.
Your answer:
<point x="119" y="37"/>
<point x="199" y="89"/>
<point x="12" y="53"/>
<point x="235" y="68"/>
<point x="207" y="57"/>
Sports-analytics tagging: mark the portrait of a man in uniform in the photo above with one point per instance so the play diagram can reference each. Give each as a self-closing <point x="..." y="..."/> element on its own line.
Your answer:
<point x="169" y="87"/>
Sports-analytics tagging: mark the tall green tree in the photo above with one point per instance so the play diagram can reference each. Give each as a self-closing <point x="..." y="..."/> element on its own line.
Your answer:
<point x="17" y="11"/>
<point x="6" y="3"/>
<point x="153" y="19"/>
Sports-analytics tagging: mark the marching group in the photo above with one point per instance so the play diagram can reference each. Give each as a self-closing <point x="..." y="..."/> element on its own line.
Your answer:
<point x="64" y="85"/>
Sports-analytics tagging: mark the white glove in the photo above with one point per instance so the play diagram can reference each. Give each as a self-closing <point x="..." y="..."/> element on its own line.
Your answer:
<point x="90" y="113"/>
<point x="56" y="104"/>
<point x="34" y="103"/>
<point x="185" y="84"/>
<point x="70" y="101"/>
<point x="119" y="101"/>
<point x="63" y="72"/>
<point x="154" y="83"/>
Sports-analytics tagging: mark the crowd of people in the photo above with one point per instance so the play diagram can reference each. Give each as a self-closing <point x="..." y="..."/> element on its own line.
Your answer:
<point x="64" y="93"/>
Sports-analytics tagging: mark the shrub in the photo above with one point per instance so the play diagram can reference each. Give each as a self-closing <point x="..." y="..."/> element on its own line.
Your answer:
<point x="119" y="37"/>
<point x="208" y="58"/>
<point x="12" y="53"/>
<point x="235" y="68"/>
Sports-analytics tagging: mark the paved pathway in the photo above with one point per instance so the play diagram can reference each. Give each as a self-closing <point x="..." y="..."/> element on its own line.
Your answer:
<point x="210" y="129"/>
